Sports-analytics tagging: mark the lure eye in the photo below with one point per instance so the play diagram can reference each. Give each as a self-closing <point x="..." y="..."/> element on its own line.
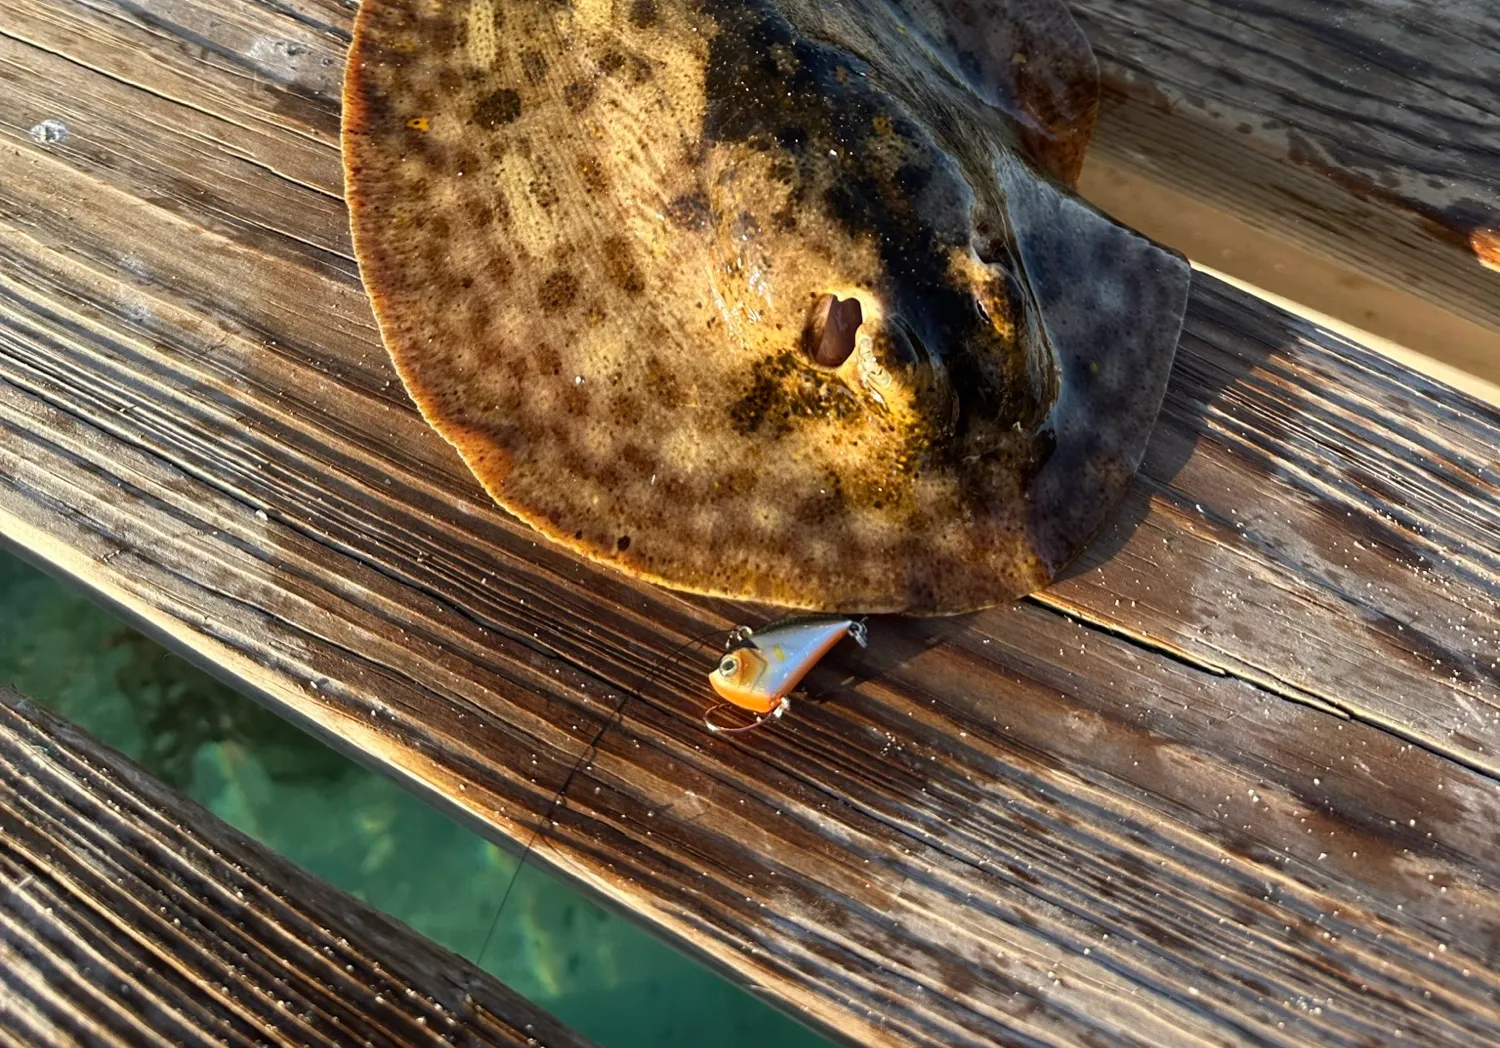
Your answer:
<point x="728" y="665"/>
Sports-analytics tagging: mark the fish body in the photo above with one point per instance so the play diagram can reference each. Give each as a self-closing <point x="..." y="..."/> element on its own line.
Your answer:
<point x="779" y="300"/>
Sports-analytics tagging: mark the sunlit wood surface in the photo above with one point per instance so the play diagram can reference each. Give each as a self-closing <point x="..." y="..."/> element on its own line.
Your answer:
<point x="1342" y="153"/>
<point x="1233" y="780"/>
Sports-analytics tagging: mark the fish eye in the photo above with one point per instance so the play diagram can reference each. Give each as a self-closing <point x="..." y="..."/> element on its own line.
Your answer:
<point x="829" y="337"/>
<point x="728" y="665"/>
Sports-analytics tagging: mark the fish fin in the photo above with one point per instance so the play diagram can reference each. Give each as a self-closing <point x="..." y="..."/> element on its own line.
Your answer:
<point x="1027" y="58"/>
<point x="1110" y="304"/>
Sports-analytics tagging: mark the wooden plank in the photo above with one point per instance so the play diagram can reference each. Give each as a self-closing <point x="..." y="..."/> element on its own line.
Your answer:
<point x="129" y="915"/>
<point x="1017" y="827"/>
<point x="1318" y="521"/>
<point x="1345" y="154"/>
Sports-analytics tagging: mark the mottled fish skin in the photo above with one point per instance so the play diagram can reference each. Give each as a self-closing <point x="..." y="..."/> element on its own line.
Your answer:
<point x="594" y="233"/>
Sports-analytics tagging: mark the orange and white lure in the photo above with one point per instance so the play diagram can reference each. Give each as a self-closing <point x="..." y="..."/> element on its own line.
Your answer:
<point x="759" y="670"/>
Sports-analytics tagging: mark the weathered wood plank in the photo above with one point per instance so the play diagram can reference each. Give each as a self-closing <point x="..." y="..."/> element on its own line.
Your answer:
<point x="197" y="423"/>
<point x="250" y="284"/>
<point x="130" y="915"/>
<point x="1365" y="132"/>
<point x="1321" y="523"/>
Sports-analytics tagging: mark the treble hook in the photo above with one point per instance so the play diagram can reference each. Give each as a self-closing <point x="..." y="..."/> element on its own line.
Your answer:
<point x="724" y="729"/>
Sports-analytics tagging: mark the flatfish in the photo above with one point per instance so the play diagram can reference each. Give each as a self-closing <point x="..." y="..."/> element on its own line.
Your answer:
<point x="783" y="300"/>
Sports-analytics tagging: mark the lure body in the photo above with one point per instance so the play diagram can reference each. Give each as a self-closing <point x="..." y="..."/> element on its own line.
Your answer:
<point x="760" y="670"/>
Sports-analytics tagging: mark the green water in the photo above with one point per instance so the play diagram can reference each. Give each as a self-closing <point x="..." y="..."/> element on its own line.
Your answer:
<point x="598" y="973"/>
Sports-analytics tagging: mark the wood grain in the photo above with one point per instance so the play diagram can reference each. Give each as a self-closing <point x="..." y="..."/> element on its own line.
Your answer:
<point x="131" y="916"/>
<point x="1090" y="818"/>
<point x="1321" y="523"/>
<point x="1363" y="133"/>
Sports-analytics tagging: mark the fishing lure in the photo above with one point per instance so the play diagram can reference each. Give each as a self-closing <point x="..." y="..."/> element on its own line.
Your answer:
<point x="759" y="670"/>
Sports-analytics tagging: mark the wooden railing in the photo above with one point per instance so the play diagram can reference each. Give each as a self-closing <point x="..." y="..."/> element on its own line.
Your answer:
<point x="1231" y="779"/>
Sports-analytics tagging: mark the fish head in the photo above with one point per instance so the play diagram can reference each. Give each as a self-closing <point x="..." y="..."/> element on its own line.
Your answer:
<point x="741" y="678"/>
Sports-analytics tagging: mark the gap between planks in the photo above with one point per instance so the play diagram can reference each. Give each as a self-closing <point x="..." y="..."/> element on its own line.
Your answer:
<point x="1414" y="330"/>
<point x="1263" y="682"/>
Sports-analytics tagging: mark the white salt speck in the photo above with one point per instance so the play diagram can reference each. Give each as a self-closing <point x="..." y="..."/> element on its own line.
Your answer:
<point x="49" y="131"/>
<point x="260" y="514"/>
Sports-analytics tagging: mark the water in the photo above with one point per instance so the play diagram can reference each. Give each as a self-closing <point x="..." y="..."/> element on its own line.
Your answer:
<point x="600" y="974"/>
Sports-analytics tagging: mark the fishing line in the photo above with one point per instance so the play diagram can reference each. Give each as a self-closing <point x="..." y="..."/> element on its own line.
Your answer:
<point x="660" y="667"/>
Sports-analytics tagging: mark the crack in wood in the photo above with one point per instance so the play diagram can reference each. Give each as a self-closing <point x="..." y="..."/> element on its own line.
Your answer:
<point x="1263" y="681"/>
